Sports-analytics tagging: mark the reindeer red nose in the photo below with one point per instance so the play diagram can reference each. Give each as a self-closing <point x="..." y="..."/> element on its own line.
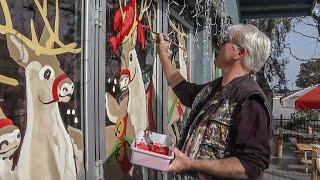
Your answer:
<point x="5" y="122"/>
<point x="55" y="86"/>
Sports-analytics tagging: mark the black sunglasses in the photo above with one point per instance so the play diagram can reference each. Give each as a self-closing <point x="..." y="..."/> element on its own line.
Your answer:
<point x="225" y="39"/>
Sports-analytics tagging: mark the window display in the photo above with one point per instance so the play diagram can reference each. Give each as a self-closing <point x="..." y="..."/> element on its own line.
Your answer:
<point x="180" y="60"/>
<point x="40" y="59"/>
<point x="130" y="69"/>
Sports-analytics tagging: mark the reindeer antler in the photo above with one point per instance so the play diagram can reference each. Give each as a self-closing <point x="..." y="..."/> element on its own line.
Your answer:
<point x="125" y="23"/>
<point x="150" y="23"/>
<point x="8" y="80"/>
<point x="121" y="10"/>
<point x="34" y="44"/>
<point x="176" y="29"/>
<point x="144" y="7"/>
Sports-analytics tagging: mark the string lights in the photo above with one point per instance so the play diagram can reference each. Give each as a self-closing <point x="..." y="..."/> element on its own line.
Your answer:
<point x="208" y="15"/>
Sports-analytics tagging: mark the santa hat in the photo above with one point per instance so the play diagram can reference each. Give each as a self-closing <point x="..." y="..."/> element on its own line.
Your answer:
<point x="5" y="122"/>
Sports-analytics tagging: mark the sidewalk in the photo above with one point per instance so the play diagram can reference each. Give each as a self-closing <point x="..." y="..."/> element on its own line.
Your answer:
<point x="287" y="167"/>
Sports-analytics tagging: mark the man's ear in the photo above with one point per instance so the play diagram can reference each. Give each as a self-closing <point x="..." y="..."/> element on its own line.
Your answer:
<point x="240" y="53"/>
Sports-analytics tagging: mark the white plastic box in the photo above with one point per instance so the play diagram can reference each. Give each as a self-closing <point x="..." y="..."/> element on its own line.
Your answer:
<point x="148" y="158"/>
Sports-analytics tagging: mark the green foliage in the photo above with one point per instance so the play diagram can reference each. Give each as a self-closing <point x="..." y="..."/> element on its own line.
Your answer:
<point x="276" y="30"/>
<point x="309" y="74"/>
<point x="309" y="70"/>
<point x="301" y="119"/>
<point x="306" y="115"/>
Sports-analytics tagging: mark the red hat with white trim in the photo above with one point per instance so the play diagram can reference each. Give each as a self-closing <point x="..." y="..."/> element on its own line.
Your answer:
<point x="5" y="122"/>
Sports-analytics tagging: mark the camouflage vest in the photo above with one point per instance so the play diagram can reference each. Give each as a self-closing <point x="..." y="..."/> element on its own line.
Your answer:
<point x="208" y="131"/>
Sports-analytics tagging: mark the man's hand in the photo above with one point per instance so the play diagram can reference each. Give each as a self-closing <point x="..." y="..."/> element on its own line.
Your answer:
<point x="163" y="46"/>
<point x="229" y="167"/>
<point x="163" y="51"/>
<point x="181" y="161"/>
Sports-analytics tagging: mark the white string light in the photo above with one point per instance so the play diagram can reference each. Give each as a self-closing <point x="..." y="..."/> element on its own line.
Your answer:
<point x="214" y="15"/>
<point x="184" y="6"/>
<point x="216" y="10"/>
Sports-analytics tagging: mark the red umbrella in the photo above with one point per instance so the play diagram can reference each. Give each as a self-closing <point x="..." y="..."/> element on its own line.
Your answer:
<point x="308" y="98"/>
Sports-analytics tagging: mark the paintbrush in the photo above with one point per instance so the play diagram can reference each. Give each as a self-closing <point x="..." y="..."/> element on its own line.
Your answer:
<point x="166" y="39"/>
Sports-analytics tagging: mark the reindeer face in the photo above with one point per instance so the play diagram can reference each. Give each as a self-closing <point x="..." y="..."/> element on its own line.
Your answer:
<point x="129" y="61"/>
<point x="38" y="55"/>
<point x="132" y="60"/>
<point x="10" y="139"/>
<point x="55" y="86"/>
<point x="58" y="86"/>
<point x="124" y="82"/>
<point x="51" y="83"/>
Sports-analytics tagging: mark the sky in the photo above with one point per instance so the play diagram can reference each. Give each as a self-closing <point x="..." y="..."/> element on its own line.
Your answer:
<point x="302" y="47"/>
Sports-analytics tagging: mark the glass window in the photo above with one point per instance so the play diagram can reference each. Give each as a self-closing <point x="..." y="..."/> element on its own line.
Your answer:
<point x="180" y="59"/>
<point x="40" y="60"/>
<point x="130" y="83"/>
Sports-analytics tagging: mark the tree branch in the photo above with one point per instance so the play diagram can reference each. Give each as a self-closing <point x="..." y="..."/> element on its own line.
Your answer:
<point x="308" y="24"/>
<point x="300" y="59"/>
<point x="313" y="37"/>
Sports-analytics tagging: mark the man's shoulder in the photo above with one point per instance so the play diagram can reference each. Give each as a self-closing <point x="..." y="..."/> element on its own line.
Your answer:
<point x="247" y="85"/>
<point x="248" y="88"/>
<point x="215" y="82"/>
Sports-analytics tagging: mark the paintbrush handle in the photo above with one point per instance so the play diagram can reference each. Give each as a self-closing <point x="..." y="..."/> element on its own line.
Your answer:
<point x="176" y="44"/>
<point x="157" y="34"/>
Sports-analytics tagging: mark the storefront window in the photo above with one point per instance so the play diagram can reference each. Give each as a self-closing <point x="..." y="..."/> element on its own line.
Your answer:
<point x="180" y="60"/>
<point x="130" y="82"/>
<point x="40" y="62"/>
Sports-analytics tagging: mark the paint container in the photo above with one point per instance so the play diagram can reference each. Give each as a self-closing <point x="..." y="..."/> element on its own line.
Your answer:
<point x="148" y="158"/>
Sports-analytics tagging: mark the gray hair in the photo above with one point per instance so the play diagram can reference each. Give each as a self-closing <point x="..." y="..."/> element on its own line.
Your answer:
<point x="256" y="42"/>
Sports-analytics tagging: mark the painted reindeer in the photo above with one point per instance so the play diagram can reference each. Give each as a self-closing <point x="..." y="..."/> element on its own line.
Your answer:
<point x="129" y="113"/>
<point x="176" y="110"/>
<point x="10" y="138"/>
<point x="46" y="151"/>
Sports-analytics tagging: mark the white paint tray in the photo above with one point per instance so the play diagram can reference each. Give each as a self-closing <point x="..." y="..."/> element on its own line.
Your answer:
<point x="151" y="159"/>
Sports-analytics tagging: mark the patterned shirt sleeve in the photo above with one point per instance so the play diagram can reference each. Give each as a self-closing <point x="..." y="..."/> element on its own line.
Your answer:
<point x="251" y="137"/>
